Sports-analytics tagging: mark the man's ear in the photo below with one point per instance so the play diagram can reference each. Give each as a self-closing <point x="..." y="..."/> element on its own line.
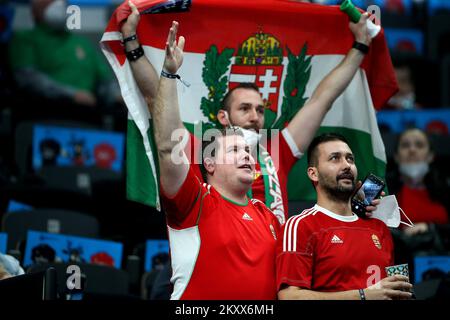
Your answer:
<point x="313" y="174"/>
<point x="222" y="118"/>
<point x="209" y="165"/>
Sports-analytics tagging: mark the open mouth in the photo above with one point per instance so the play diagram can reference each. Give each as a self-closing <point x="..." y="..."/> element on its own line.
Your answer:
<point x="245" y="166"/>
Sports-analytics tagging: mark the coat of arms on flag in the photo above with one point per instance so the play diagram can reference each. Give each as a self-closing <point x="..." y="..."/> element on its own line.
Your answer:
<point x="259" y="60"/>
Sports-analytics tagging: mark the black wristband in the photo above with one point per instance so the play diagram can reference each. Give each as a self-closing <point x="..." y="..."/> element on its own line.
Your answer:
<point x="174" y="76"/>
<point x="362" y="295"/>
<point x="170" y="75"/>
<point x="361" y="47"/>
<point x="130" y="38"/>
<point x="135" y="54"/>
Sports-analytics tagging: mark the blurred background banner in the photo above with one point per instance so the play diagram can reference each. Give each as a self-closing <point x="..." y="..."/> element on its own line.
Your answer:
<point x="3" y="242"/>
<point x="61" y="146"/>
<point x="156" y="254"/>
<point x="71" y="249"/>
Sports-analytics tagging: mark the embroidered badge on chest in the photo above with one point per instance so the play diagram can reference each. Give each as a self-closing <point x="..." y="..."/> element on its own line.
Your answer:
<point x="376" y="241"/>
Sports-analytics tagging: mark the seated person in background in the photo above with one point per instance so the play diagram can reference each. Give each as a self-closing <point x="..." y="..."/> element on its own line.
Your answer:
<point x="54" y="63"/>
<point x="327" y="252"/>
<point x="419" y="189"/>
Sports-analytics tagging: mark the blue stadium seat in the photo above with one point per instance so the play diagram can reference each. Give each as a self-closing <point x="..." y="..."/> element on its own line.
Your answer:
<point x="98" y="282"/>
<point x="17" y="224"/>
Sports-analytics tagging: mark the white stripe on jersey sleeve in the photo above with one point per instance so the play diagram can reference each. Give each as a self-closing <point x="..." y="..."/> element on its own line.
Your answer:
<point x="312" y="212"/>
<point x="290" y="231"/>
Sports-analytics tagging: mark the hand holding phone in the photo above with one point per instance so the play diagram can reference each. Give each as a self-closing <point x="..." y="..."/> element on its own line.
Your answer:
<point x="370" y="189"/>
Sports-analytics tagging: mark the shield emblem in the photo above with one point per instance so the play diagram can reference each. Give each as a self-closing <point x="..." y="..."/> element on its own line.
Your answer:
<point x="267" y="78"/>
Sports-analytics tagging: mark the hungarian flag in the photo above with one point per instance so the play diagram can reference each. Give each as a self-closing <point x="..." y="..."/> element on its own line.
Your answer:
<point x="285" y="47"/>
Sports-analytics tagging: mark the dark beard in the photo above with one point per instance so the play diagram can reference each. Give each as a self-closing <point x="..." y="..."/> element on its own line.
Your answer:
<point x="336" y="192"/>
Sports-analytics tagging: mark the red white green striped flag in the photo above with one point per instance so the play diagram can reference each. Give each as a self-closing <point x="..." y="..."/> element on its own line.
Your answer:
<point x="286" y="47"/>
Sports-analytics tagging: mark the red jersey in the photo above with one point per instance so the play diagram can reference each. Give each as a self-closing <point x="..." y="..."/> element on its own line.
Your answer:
<point x="323" y="251"/>
<point x="220" y="249"/>
<point x="284" y="159"/>
<point x="416" y="203"/>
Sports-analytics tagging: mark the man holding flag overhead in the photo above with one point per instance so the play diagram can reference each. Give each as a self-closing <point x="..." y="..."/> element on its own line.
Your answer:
<point x="213" y="227"/>
<point x="261" y="55"/>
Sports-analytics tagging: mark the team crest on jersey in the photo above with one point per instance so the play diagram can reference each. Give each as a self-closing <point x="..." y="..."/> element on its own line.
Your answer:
<point x="258" y="59"/>
<point x="272" y="229"/>
<point x="376" y="241"/>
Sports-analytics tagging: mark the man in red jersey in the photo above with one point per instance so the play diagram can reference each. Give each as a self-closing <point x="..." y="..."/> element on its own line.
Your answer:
<point x="243" y="106"/>
<point x="328" y="252"/>
<point x="222" y="245"/>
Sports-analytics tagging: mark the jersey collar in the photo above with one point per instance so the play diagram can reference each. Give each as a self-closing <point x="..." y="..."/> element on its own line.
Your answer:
<point x="336" y="216"/>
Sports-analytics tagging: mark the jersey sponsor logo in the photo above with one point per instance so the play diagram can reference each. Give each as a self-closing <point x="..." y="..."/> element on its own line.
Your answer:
<point x="336" y="239"/>
<point x="376" y="241"/>
<point x="246" y="216"/>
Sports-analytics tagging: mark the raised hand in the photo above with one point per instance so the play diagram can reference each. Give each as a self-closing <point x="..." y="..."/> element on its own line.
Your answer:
<point x="174" y="50"/>
<point x="130" y="25"/>
<point x="360" y="31"/>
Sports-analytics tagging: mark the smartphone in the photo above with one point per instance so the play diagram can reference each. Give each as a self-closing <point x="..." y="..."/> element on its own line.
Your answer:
<point x="370" y="189"/>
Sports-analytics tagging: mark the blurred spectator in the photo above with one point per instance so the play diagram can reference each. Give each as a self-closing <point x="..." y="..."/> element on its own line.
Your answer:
<point x="9" y="266"/>
<point x="395" y="6"/>
<point x="53" y="63"/>
<point x="418" y="187"/>
<point x="405" y="99"/>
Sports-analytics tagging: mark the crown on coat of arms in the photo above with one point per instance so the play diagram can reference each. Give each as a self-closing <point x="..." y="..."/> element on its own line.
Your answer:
<point x="260" y="49"/>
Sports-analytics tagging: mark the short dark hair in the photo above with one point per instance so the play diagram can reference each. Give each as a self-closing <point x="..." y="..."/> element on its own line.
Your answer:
<point x="325" y="137"/>
<point x="220" y="132"/>
<point x="226" y="101"/>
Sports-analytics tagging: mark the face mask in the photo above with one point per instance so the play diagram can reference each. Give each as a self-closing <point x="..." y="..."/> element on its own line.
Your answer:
<point x="250" y="136"/>
<point x="55" y="15"/>
<point x="388" y="211"/>
<point x="415" y="171"/>
<point x="407" y="101"/>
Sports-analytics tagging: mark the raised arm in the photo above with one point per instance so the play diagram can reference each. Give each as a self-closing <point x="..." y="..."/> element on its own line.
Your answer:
<point x="304" y="125"/>
<point x="166" y="117"/>
<point x="143" y="71"/>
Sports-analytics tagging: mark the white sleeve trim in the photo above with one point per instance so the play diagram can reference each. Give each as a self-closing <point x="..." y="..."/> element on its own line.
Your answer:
<point x="291" y="143"/>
